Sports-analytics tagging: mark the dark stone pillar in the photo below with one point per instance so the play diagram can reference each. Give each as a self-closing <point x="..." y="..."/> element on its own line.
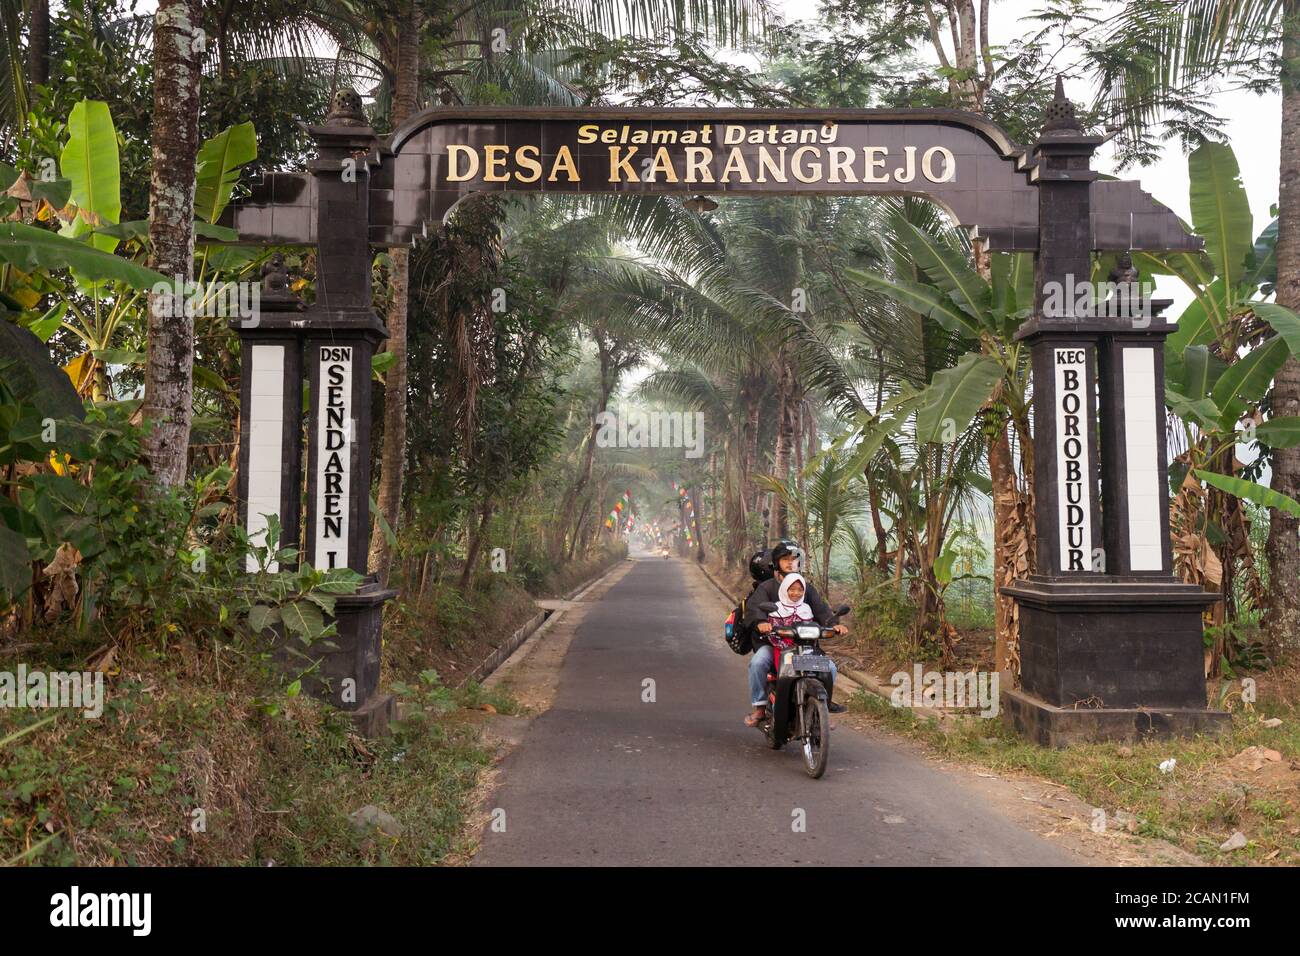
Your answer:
<point x="342" y="331"/>
<point x="1067" y="456"/>
<point x="1110" y="642"/>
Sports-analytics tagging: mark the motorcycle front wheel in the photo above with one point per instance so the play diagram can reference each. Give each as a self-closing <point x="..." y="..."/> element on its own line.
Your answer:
<point x="817" y="735"/>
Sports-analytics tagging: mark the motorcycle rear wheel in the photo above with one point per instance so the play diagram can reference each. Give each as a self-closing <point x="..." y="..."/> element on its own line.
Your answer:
<point x="817" y="735"/>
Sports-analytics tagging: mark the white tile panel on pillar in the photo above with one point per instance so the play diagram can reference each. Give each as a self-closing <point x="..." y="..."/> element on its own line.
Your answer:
<point x="265" y="443"/>
<point x="1141" y="449"/>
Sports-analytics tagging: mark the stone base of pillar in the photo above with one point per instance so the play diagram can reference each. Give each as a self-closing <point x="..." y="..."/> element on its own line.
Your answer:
<point x="373" y="717"/>
<point x="358" y="647"/>
<point x="347" y="665"/>
<point x="1058" y="727"/>
<point x="1109" y="659"/>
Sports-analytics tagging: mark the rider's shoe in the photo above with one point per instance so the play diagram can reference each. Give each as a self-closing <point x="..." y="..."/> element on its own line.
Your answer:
<point x="835" y="708"/>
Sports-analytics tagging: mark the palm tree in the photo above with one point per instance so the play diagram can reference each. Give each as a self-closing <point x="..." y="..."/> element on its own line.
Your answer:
<point x="14" y="78"/>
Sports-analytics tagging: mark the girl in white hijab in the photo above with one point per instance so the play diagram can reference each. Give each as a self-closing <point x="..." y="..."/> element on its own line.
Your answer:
<point x="791" y="607"/>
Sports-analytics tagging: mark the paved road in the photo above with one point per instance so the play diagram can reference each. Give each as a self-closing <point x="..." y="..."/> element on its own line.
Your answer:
<point x="605" y="778"/>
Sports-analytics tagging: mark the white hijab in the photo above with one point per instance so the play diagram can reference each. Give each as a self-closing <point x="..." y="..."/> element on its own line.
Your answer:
<point x="788" y="607"/>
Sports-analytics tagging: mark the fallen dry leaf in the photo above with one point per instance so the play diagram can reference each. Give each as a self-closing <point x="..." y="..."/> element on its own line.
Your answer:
<point x="1253" y="758"/>
<point x="103" y="660"/>
<point x="62" y="573"/>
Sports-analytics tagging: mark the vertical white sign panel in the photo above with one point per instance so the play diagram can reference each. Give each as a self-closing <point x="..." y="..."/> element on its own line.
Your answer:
<point x="333" y="457"/>
<point x="265" y="443"/>
<point x="1141" y="449"/>
<point x="1074" y="511"/>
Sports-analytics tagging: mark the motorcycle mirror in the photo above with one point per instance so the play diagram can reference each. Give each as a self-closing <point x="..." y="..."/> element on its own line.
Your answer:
<point x="767" y="606"/>
<point x="842" y="610"/>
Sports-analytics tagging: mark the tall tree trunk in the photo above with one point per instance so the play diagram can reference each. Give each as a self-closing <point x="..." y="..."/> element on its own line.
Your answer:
<point x="611" y="366"/>
<point x="393" y="458"/>
<point x="1003" y="479"/>
<point x="1009" y="534"/>
<point x="1283" y="548"/>
<point x="565" y="519"/>
<point x="877" y="525"/>
<point x="715" y="490"/>
<point x="749" y="461"/>
<point x="169" y="365"/>
<point x="475" y="543"/>
<point x="38" y="43"/>
<point x="695" y="521"/>
<point x="785" y="439"/>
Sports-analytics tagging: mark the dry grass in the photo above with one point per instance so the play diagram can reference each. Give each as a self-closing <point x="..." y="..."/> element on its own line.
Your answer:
<point x="228" y="770"/>
<point x="1217" y="787"/>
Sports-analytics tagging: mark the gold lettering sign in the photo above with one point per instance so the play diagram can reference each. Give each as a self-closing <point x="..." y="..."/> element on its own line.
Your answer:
<point x="723" y="154"/>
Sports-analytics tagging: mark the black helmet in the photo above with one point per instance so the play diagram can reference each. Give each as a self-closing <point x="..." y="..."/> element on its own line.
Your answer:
<point x="760" y="566"/>
<point x="783" y="548"/>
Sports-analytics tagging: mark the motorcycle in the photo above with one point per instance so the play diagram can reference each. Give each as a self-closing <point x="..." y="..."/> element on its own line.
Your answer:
<point x="799" y="692"/>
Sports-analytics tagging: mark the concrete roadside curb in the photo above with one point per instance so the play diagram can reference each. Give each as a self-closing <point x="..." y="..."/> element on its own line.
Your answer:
<point x="535" y="626"/>
<point x="862" y="679"/>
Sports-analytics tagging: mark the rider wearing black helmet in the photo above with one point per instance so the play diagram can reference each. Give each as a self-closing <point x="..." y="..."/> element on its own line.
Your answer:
<point x="786" y="558"/>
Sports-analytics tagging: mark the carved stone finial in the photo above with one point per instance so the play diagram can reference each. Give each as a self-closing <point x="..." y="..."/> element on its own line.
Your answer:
<point x="1128" y="300"/>
<point x="275" y="279"/>
<point x="1059" y="116"/>
<point x="345" y="110"/>
<point x="1124" y="272"/>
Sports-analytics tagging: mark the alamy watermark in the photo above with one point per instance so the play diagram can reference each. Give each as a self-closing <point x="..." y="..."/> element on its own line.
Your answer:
<point x="133" y="911"/>
<point x="227" y="300"/>
<point x="40" y="690"/>
<point x="1127" y="299"/>
<point x="955" y="690"/>
<point x="651" y="429"/>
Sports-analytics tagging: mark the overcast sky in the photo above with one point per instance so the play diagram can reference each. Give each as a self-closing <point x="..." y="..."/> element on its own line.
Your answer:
<point x="1254" y="123"/>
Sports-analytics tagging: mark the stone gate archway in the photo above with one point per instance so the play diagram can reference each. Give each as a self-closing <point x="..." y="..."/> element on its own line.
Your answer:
<point x="1103" y="622"/>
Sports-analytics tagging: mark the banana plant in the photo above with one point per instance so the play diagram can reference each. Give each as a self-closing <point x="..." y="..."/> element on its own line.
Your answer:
<point x="29" y="253"/>
<point x="924" y="489"/>
<point x="833" y="495"/>
<point x="1219" y="365"/>
<point x="1235" y="271"/>
<point x="1230" y="340"/>
<point x="975" y="390"/>
<point x="111" y="289"/>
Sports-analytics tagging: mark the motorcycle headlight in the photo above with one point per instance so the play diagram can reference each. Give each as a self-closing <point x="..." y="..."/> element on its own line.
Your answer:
<point x="810" y="633"/>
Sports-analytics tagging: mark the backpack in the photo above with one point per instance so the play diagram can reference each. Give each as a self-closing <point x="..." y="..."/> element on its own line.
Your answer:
<point x="735" y="633"/>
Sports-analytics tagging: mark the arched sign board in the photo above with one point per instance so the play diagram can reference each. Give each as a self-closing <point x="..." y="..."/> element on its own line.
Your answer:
<point x="1103" y="619"/>
<point x="959" y="160"/>
<point x="964" y="165"/>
